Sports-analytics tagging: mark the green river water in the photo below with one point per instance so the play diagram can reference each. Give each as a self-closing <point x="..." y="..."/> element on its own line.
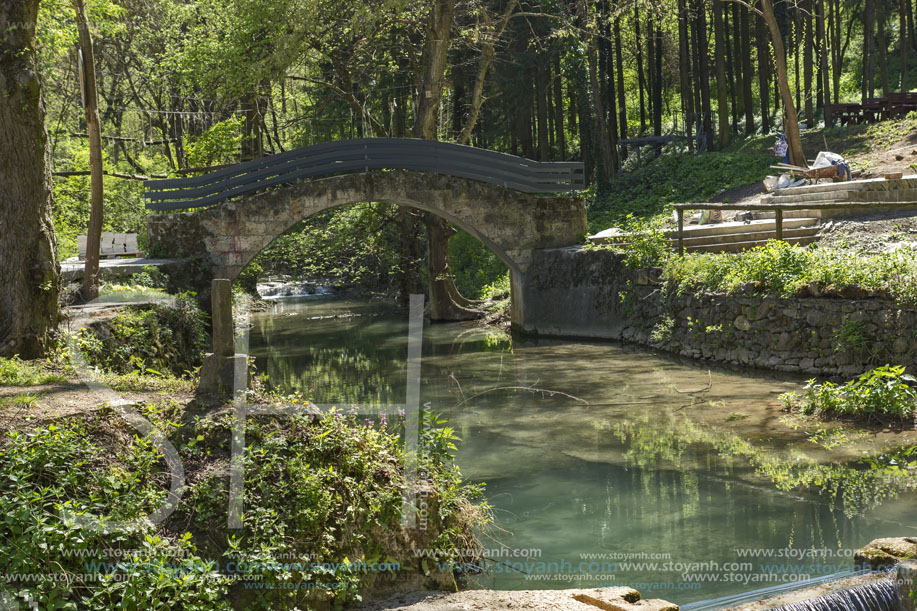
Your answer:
<point x="625" y="467"/>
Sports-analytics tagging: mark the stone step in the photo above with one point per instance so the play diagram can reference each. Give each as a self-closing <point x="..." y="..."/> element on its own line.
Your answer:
<point x="731" y="227"/>
<point x="739" y="246"/>
<point x="802" y="198"/>
<point x="753" y="236"/>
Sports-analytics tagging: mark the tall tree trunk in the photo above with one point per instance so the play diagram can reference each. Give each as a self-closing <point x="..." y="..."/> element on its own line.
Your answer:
<point x="684" y="71"/>
<point x="29" y="273"/>
<point x="824" y="71"/>
<point x="541" y="110"/>
<point x="657" y="77"/>
<point x="797" y="157"/>
<point x="91" y="107"/>
<point x="560" y="138"/>
<point x="641" y="80"/>
<point x="869" y="59"/>
<point x="619" y="72"/>
<point x="882" y="43"/>
<point x="703" y="72"/>
<point x="738" y="65"/>
<point x="746" y="69"/>
<point x="446" y="303"/>
<point x="808" y="45"/>
<point x="764" y="64"/>
<point x="904" y="43"/>
<point x="733" y="67"/>
<point x="722" y="101"/>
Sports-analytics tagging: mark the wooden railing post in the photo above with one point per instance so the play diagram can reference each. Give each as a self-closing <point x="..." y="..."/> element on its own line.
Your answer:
<point x="779" y="224"/>
<point x="681" y="231"/>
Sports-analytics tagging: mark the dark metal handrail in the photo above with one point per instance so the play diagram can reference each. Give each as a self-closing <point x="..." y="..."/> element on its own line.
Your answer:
<point x="363" y="155"/>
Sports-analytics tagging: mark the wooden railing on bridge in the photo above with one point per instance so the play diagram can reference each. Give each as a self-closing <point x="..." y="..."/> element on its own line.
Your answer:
<point x="356" y="156"/>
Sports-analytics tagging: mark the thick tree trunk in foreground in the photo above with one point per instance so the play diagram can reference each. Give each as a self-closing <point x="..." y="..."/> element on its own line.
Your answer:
<point x="29" y="274"/>
<point x="91" y="106"/>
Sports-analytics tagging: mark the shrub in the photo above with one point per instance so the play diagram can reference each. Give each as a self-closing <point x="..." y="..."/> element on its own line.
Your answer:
<point x="782" y="268"/>
<point x="53" y="468"/>
<point x="882" y="392"/>
<point x="153" y="338"/>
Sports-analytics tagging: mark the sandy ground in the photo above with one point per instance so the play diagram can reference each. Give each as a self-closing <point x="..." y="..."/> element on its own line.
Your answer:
<point x="495" y="600"/>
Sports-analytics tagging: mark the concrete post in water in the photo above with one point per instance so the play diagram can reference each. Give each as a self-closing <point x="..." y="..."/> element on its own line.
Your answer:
<point x="224" y="372"/>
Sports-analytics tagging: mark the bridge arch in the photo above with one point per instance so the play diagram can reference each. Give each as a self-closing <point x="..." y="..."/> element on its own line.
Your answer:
<point x="221" y="240"/>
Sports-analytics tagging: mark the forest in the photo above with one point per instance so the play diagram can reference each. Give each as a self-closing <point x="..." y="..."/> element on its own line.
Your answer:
<point x="177" y="88"/>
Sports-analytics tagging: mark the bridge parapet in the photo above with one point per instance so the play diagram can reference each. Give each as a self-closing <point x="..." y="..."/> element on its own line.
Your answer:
<point x="364" y="155"/>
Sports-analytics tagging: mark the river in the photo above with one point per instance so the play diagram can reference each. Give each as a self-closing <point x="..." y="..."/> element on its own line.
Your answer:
<point x="610" y="465"/>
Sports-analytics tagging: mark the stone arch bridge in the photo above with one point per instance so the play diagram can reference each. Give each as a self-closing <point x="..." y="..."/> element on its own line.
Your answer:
<point x="220" y="221"/>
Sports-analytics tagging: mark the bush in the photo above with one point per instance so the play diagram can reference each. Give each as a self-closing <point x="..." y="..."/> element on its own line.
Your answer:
<point x="782" y="268"/>
<point x="54" y="468"/>
<point x="882" y="392"/>
<point x="152" y="338"/>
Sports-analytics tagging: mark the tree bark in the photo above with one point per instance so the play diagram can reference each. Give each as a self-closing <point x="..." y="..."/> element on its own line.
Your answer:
<point x="641" y="80"/>
<point x="747" y="70"/>
<point x="808" y="44"/>
<point x="904" y="43"/>
<point x="882" y="42"/>
<point x="869" y="60"/>
<point x="29" y="273"/>
<point x="684" y="71"/>
<point x="824" y="70"/>
<point x="560" y="137"/>
<point x="722" y="100"/>
<point x="791" y="125"/>
<point x="619" y="73"/>
<point x="703" y="72"/>
<point x="446" y="303"/>
<point x="90" y="97"/>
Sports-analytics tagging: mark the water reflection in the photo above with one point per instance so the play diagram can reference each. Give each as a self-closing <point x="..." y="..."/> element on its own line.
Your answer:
<point x="602" y="449"/>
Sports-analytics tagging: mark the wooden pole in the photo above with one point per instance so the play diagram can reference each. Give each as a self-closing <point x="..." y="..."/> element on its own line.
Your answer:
<point x="779" y="220"/>
<point x="681" y="231"/>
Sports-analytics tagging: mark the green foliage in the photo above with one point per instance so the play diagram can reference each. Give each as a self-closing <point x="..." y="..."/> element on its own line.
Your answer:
<point x="151" y="338"/>
<point x="217" y="145"/>
<point x="56" y="468"/>
<point x="781" y="269"/>
<point x="474" y="266"/>
<point x="646" y="243"/>
<point x="362" y="246"/>
<point x="850" y="337"/>
<point x="671" y="179"/>
<point x="662" y="331"/>
<point x="151" y="277"/>
<point x="882" y="392"/>
<point x="16" y="372"/>
<point x="323" y="499"/>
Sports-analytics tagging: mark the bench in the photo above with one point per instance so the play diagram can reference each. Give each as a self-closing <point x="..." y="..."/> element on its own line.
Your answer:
<point x="112" y="245"/>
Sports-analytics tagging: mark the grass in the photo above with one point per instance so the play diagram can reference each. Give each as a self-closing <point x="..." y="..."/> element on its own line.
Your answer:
<point x="23" y="399"/>
<point x="16" y="372"/>
<point x="780" y="268"/>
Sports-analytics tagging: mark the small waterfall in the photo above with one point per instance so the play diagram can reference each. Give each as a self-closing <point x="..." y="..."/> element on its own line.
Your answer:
<point x="277" y="290"/>
<point x="879" y="595"/>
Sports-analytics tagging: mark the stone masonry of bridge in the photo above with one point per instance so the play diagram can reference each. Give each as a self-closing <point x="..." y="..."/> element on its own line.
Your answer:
<point x="219" y="241"/>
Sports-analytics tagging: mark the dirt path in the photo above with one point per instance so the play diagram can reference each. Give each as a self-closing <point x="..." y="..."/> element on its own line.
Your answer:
<point x="617" y="599"/>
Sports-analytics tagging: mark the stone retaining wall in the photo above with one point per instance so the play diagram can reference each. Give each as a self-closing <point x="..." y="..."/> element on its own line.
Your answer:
<point x="591" y="293"/>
